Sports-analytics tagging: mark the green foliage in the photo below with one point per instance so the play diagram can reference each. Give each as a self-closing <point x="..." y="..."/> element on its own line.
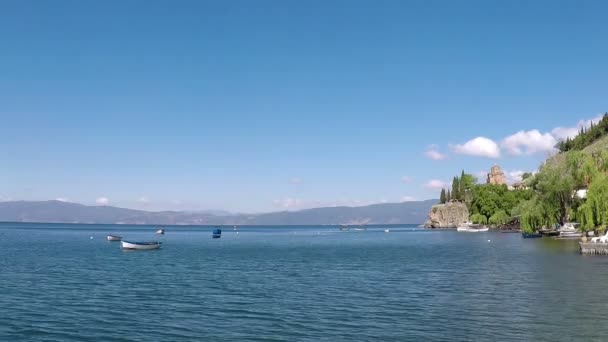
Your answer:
<point x="499" y="217"/>
<point x="489" y="199"/>
<point x="448" y="197"/>
<point x="479" y="219"/>
<point x="442" y="197"/>
<point x="585" y="137"/>
<point x="535" y="215"/>
<point x="526" y="175"/>
<point x="594" y="212"/>
<point x="467" y="181"/>
<point x="555" y="188"/>
<point x="456" y="189"/>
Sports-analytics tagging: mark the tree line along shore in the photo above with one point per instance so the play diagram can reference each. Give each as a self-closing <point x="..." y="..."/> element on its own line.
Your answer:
<point x="570" y="186"/>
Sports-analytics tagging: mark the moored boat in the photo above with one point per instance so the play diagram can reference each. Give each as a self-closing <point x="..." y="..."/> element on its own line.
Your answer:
<point x="570" y="231"/>
<point x="216" y="233"/>
<point x="114" y="238"/>
<point x="160" y="231"/>
<point x="531" y="235"/>
<point x="140" y="245"/>
<point x="477" y="230"/>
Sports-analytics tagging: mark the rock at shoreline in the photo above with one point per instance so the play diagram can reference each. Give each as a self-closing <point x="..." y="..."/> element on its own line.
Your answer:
<point x="448" y="215"/>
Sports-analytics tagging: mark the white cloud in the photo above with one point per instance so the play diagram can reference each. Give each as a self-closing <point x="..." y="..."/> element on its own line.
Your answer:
<point x="102" y="201"/>
<point x="407" y="199"/>
<point x="295" y="180"/>
<point x="433" y="153"/>
<point x="480" y="146"/>
<point x="406" y="179"/>
<point x="514" y="176"/>
<point x="529" y="142"/>
<point x="435" y="184"/>
<point x="562" y="133"/>
<point x="143" y="200"/>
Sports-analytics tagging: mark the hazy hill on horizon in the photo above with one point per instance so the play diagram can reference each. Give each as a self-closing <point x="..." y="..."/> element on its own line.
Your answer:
<point x="66" y="212"/>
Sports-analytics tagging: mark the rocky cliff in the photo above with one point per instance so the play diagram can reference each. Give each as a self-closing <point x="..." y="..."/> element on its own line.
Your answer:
<point x="448" y="215"/>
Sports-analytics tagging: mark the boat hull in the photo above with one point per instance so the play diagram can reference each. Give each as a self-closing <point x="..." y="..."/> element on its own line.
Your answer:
<point x="472" y="230"/>
<point x="114" y="238"/>
<point x="567" y="235"/>
<point x="140" y="245"/>
<point x="531" y="235"/>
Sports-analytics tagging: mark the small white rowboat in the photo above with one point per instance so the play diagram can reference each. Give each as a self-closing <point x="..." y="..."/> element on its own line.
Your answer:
<point x="160" y="231"/>
<point x="114" y="238"/>
<point x="140" y="245"/>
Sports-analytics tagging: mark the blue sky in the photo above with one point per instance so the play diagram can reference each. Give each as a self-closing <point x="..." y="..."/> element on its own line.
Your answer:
<point x="269" y="105"/>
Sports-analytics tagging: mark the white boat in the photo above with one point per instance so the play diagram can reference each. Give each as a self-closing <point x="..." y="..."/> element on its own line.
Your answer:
<point x="570" y="230"/>
<point x="160" y="231"/>
<point x="140" y="245"/>
<point x="387" y="231"/>
<point x="114" y="238"/>
<point x="464" y="227"/>
<point x="477" y="230"/>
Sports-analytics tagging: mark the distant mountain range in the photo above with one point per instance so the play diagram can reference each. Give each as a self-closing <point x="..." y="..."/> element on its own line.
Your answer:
<point x="65" y="212"/>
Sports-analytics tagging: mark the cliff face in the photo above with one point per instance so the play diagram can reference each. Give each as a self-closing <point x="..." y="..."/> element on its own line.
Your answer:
<point x="448" y="215"/>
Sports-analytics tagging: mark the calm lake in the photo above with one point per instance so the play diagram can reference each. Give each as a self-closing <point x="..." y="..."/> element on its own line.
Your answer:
<point x="296" y="284"/>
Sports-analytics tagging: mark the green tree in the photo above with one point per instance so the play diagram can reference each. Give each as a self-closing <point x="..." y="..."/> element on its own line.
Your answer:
<point x="448" y="197"/>
<point x="456" y="189"/>
<point x="479" y="219"/>
<point x="594" y="212"/>
<point x="500" y="217"/>
<point x="526" y="175"/>
<point x="442" y="197"/>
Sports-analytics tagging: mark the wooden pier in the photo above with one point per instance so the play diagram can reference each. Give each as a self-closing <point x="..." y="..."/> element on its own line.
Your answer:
<point x="594" y="248"/>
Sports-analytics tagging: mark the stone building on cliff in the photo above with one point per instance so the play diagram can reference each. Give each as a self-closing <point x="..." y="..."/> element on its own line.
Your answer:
<point x="496" y="176"/>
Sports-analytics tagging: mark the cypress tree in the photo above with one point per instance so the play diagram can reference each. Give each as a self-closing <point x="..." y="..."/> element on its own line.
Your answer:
<point x="448" y="197"/>
<point x="455" y="189"/>
<point x="442" y="197"/>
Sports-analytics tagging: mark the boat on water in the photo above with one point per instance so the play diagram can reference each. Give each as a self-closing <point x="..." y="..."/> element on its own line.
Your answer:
<point x="569" y="231"/>
<point x="471" y="228"/>
<point x="140" y="245"/>
<point x="387" y="230"/>
<point x="531" y="235"/>
<point x="477" y="230"/>
<point x="464" y="227"/>
<point x="160" y="231"/>
<point x="114" y="238"/>
<point x="216" y="233"/>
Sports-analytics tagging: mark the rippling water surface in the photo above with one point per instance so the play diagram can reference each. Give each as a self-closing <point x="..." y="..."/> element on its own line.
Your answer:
<point x="296" y="284"/>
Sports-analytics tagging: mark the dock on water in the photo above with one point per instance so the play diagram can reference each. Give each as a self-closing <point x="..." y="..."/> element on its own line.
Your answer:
<point x="594" y="248"/>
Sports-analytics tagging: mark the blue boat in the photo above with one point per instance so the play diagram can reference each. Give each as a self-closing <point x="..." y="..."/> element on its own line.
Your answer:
<point x="217" y="233"/>
<point x="531" y="235"/>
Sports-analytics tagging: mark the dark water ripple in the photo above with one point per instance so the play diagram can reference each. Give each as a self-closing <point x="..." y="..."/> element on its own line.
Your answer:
<point x="296" y="284"/>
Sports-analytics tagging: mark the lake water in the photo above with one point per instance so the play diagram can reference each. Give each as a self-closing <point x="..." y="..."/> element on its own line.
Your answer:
<point x="296" y="284"/>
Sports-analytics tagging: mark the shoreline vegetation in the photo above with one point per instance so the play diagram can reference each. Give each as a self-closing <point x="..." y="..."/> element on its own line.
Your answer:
<point x="570" y="186"/>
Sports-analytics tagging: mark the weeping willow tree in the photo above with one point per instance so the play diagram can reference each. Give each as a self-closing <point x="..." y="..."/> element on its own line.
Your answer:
<point x="594" y="212"/>
<point x="536" y="214"/>
<point x="479" y="219"/>
<point x="499" y="217"/>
